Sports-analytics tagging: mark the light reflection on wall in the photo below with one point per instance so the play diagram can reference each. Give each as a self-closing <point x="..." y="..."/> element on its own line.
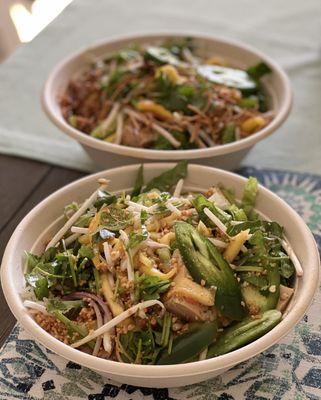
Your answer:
<point x="29" y="23"/>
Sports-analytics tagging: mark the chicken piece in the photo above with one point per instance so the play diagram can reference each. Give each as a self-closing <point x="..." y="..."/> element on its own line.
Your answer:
<point x="188" y="299"/>
<point x="187" y="309"/>
<point x="285" y="295"/>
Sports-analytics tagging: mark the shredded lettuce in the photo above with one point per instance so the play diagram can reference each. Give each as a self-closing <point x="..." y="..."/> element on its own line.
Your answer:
<point x="249" y="195"/>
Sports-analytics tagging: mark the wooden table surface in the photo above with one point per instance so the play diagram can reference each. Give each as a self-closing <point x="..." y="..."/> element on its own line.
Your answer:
<point x="23" y="184"/>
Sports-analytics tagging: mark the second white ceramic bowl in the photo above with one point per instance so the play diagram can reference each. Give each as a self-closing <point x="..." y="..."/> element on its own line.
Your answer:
<point x="226" y="156"/>
<point x="38" y="226"/>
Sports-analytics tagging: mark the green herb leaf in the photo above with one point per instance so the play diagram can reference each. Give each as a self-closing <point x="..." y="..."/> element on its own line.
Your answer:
<point x="177" y="97"/>
<point x="286" y="269"/>
<point x="136" y="238"/>
<point x="31" y="260"/>
<point x="139" y="182"/>
<point x="162" y="143"/>
<point x="168" y="179"/>
<point x="116" y="218"/>
<point x="104" y="198"/>
<point x="249" y="195"/>
<point x="64" y="306"/>
<point x="258" y="70"/>
<point x="200" y="202"/>
<point x="41" y="289"/>
<point x="139" y="347"/>
<point x="85" y="219"/>
<point x="143" y="216"/>
<point x="73" y="328"/>
<point x="237" y="213"/>
<point x="85" y="251"/>
<point x="149" y="287"/>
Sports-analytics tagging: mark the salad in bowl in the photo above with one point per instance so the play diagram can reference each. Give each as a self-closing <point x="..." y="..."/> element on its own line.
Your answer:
<point x="167" y="97"/>
<point x="163" y="274"/>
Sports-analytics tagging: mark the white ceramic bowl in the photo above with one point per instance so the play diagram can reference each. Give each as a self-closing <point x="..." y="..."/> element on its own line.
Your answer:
<point x="29" y="236"/>
<point x="226" y="156"/>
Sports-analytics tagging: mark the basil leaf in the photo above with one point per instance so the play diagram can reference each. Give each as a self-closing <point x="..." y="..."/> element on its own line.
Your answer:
<point x="257" y="71"/>
<point x="63" y="306"/>
<point x="104" y="198"/>
<point x="139" y="182"/>
<point x="168" y="179"/>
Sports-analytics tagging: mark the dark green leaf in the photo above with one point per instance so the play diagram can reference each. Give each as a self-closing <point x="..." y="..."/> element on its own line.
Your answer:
<point x="149" y="287"/>
<point x="162" y="143"/>
<point x="168" y="179"/>
<point x="139" y="347"/>
<point x="32" y="260"/>
<point x="253" y="226"/>
<point x="200" y="202"/>
<point x="104" y="198"/>
<point x="139" y="182"/>
<point x="143" y="217"/>
<point x="41" y="289"/>
<point x="49" y="254"/>
<point x="258" y="70"/>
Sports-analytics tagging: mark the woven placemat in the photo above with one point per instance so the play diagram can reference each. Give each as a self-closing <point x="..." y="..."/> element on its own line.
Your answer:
<point x="289" y="370"/>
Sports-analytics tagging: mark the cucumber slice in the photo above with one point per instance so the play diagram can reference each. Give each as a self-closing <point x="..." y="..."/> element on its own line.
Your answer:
<point x="161" y="55"/>
<point x="235" y="78"/>
<point x="205" y="262"/>
<point x="256" y="301"/>
<point x="244" y="332"/>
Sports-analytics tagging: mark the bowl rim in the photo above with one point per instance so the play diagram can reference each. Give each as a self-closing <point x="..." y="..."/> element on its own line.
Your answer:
<point x="163" y="371"/>
<point x="47" y="102"/>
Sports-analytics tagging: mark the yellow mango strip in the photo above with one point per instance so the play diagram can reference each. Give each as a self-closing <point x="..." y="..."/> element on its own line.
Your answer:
<point x="146" y="267"/>
<point x="158" y="110"/>
<point x="114" y="306"/>
<point x="171" y="74"/>
<point x="234" y="247"/>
